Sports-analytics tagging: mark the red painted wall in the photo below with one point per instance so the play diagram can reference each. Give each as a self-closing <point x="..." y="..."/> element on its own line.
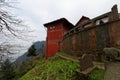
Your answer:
<point x="52" y="48"/>
<point x="65" y="30"/>
<point x="54" y="36"/>
<point x="55" y="33"/>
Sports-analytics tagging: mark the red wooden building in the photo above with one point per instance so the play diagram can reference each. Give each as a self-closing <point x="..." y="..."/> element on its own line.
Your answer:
<point x="55" y="31"/>
<point x="82" y="20"/>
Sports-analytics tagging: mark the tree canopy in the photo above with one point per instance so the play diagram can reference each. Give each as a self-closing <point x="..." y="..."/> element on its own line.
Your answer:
<point x="31" y="51"/>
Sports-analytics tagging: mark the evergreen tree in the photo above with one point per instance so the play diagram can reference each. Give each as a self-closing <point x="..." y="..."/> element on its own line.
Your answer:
<point x="31" y="51"/>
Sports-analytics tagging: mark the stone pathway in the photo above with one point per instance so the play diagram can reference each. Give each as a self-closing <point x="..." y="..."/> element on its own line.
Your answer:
<point x="113" y="71"/>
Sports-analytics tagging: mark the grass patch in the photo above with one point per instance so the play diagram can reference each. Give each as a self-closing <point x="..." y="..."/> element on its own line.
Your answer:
<point x="53" y="69"/>
<point x="97" y="74"/>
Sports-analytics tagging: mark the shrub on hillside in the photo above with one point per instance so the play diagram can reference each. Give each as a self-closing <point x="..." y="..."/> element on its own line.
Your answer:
<point x="27" y="65"/>
<point x="31" y="51"/>
<point x="7" y="70"/>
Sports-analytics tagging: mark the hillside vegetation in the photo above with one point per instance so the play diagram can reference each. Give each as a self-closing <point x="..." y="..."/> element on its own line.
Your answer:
<point x="57" y="68"/>
<point x="52" y="69"/>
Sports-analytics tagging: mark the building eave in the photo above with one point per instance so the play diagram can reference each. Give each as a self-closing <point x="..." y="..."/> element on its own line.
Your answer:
<point x="58" y="21"/>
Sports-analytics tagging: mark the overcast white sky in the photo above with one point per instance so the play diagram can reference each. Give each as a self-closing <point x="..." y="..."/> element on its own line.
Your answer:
<point x="38" y="12"/>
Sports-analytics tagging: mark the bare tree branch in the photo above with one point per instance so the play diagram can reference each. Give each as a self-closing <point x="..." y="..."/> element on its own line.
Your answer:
<point x="7" y="21"/>
<point x="8" y="25"/>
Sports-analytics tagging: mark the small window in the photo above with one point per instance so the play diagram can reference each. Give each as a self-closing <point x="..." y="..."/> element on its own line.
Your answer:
<point x="52" y="27"/>
<point x="101" y="22"/>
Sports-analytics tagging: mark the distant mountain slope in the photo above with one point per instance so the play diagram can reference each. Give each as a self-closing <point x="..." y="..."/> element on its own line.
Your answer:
<point x="40" y="49"/>
<point x="39" y="46"/>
